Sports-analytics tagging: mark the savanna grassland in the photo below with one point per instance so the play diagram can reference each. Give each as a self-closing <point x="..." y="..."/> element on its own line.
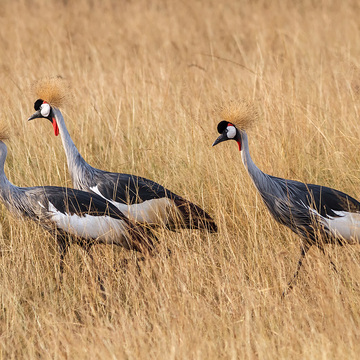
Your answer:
<point x="145" y="77"/>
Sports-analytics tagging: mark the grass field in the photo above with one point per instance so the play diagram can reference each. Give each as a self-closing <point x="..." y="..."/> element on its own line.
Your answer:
<point x="145" y="78"/>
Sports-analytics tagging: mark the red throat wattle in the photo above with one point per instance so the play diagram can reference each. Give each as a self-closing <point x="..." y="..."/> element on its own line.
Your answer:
<point x="239" y="143"/>
<point x="55" y="126"/>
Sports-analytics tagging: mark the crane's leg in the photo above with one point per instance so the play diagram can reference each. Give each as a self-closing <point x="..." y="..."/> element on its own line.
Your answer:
<point x="63" y="248"/>
<point x="124" y="263"/>
<point x="304" y="249"/>
<point x="321" y="247"/>
<point x="333" y="265"/>
<point x="87" y="248"/>
<point x="137" y="262"/>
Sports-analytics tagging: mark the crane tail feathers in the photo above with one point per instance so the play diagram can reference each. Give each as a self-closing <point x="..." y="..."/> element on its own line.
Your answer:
<point x="140" y="238"/>
<point x="193" y="217"/>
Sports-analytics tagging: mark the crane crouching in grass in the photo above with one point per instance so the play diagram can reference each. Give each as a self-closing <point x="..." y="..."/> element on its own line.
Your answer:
<point x="140" y="199"/>
<point x="318" y="214"/>
<point x="72" y="215"/>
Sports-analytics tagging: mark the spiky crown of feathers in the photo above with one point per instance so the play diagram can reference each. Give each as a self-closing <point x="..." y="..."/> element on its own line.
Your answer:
<point x="4" y="132"/>
<point x="241" y="113"/>
<point x="53" y="90"/>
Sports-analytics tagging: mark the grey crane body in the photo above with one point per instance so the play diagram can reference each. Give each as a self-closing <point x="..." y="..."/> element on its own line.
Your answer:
<point x="307" y="209"/>
<point x="72" y="215"/>
<point x="318" y="214"/>
<point x="140" y="199"/>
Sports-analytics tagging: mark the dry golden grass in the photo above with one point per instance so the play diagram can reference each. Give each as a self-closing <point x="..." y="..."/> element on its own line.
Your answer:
<point x="145" y="76"/>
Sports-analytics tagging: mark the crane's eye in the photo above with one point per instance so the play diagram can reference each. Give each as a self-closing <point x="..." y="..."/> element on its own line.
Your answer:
<point x="45" y="110"/>
<point x="231" y="132"/>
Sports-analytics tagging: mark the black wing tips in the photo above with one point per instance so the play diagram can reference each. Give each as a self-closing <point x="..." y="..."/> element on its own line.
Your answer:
<point x="193" y="217"/>
<point x="140" y="238"/>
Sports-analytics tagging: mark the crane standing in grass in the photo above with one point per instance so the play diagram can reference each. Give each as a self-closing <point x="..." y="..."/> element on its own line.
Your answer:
<point x="72" y="215"/>
<point x="318" y="214"/>
<point x="140" y="199"/>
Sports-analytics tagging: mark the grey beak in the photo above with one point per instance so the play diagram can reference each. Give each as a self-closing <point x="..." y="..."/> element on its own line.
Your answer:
<point x="36" y="115"/>
<point x="220" y="139"/>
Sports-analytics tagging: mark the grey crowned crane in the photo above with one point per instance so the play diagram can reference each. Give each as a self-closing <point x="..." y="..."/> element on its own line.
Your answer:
<point x="72" y="216"/>
<point x="318" y="214"/>
<point x="140" y="199"/>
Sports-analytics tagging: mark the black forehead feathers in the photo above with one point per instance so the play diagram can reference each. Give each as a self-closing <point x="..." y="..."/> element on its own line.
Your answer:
<point x="222" y="125"/>
<point x="38" y="103"/>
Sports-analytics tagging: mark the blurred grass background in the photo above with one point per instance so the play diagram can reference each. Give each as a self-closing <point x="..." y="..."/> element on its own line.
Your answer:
<point x="145" y="78"/>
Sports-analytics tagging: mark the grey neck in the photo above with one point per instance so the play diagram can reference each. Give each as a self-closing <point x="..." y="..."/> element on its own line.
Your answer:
<point x="75" y="161"/>
<point x="7" y="189"/>
<point x="261" y="180"/>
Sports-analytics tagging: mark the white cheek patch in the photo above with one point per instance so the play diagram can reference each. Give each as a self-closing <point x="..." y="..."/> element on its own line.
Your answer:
<point x="231" y="132"/>
<point x="45" y="110"/>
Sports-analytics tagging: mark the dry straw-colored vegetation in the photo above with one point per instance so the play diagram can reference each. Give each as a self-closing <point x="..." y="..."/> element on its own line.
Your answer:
<point x="145" y="77"/>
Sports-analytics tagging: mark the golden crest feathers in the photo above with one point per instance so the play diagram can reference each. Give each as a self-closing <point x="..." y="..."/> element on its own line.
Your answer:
<point x="241" y="113"/>
<point x="4" y="132"/>
<point x="54" y="90"/>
